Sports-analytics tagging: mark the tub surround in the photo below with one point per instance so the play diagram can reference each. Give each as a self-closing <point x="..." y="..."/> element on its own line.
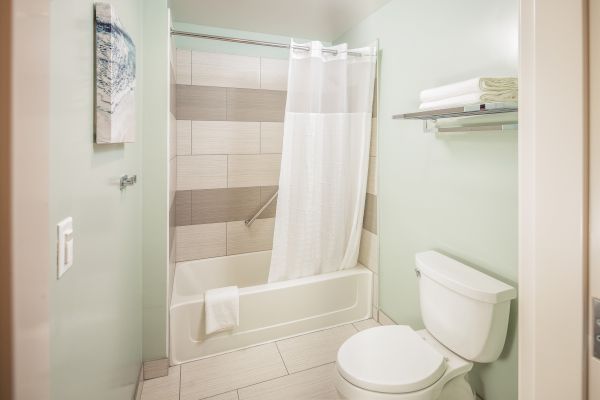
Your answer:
<point x="230" y="111"/>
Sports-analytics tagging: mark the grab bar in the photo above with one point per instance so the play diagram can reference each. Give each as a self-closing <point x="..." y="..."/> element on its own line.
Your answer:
<point x="250" y="221"/>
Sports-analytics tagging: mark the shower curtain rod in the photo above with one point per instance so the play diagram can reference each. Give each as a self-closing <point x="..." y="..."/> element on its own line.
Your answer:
<point x="253" y="42"/>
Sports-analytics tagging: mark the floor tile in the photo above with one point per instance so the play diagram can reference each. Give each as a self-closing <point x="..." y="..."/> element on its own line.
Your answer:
<point x="227" y="372"/>
<point x="225" y="396"/>
<point x="163" y="388"/>
<point x="315" y="383"/>
<point x="366" y="324"/>
<point x="314" y="349"/>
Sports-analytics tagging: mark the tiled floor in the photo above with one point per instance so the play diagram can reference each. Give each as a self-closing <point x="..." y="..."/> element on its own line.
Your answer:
<point x="298" y="368"/>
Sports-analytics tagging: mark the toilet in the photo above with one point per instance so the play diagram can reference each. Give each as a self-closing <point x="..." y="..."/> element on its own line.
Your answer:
<point x="465" y="314"/>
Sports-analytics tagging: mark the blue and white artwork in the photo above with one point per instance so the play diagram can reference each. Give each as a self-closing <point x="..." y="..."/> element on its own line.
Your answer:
<point x="115" y="79"/>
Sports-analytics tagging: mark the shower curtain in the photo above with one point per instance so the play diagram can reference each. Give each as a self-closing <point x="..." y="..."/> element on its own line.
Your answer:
<point x="324" y="165"/>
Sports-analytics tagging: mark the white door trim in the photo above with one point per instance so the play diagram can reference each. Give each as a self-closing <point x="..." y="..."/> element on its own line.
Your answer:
<point x="594" y="181"/>
<point x="26" y="230"/>
<point x="552" y="200"/>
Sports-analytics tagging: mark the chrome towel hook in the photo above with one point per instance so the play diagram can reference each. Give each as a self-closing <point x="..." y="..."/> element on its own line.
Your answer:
<point x="127" y="181"/>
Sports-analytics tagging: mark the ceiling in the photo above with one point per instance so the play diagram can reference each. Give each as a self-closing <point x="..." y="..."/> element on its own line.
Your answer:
<point x="310" y="19"/>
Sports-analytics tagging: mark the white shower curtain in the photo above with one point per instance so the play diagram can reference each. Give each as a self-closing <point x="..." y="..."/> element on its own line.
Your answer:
<point x="324" y="165"/>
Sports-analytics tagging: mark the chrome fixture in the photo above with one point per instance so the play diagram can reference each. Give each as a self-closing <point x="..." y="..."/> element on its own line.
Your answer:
<point x="251" y="220"/>
<point x="253" y="42"/>
<point x="127" y="181"/>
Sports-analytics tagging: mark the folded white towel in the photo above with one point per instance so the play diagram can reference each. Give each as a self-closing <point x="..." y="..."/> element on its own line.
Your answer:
<point x="472" y="98"/>
<point x="475" y="85"/>
<point x="221" y="309"/>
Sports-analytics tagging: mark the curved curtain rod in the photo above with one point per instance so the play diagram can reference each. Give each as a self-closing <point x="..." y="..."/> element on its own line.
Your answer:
<point x="253" y="42"/>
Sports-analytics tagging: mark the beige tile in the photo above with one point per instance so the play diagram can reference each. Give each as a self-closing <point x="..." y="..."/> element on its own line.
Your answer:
<point x="366" y="324"/>
<point x="271" y="137"/>
<point x="370" y="219"/>
<point x="375" y="313"/>
<point x="243" y="239"/>
<point x="372" y="177"/>
<point x="184" y="67"/>
<point x="265" y="194"/>
<point x="224" y="205"/>
<point x="201" y="103"/>
<point x="225" y="70"/>
<point x="172" y="91"/>
<point x="253" y="170"/>
<point x="315" y="383"/>
<point x="156" y="368"/>
<point x="164" y="388"/>
<point x="227" y="372"/>
<point x="384" y="319"/>
<point x="375" y="100"/>
<point x="314" y="349"/>
<point x="225" y="137"/>
<point x="201" y="172"/>
<point x="194" y="242"/>
<point x="255" y="105"/>
<point x="184" y="137"/>
<point x="225" y="396"/>
<point x="273" y="74"/>
<point x="374" y="136"/>
<point x="172" y="179"/>
<point x="183" y="207"/>
<point x="172" y="136"/>
<point x="368" y="254"/>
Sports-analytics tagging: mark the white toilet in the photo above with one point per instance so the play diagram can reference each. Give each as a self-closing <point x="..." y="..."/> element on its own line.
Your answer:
<point x="465" y="313"/>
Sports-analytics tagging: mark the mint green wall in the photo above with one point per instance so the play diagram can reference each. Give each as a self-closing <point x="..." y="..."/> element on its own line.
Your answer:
<point x="456" y="194"/>
<point x="155" y="181"/>
<point x="96" y="310"/>
<point x="215" y="46"/>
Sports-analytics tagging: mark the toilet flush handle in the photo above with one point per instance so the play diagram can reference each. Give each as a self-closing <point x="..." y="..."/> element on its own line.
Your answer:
<point x="417" y="272"/>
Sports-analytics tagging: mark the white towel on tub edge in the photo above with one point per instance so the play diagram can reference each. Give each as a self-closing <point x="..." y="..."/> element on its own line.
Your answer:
<point x="221" y="309"/>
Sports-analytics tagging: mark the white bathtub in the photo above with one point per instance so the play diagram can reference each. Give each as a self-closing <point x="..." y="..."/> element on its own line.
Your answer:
<point x="268" y="311"/>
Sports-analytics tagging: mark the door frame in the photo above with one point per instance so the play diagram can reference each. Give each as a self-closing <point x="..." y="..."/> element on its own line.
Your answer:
<point x="594" y="188"/>
<point x="553" y="184"/>
<point x="24" y="248"/>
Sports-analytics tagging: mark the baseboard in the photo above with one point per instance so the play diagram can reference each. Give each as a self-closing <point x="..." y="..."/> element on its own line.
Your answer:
<point x="156" y="368"/>
<point x="384" y="319"/>
<point x="140" y="383"/>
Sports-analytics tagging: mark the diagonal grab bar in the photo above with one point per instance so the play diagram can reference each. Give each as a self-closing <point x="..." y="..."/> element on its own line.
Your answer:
<point x="250" y="221"/>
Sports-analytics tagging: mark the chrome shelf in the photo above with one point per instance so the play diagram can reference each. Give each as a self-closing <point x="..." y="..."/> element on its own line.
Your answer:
<point x="457" y="112"/>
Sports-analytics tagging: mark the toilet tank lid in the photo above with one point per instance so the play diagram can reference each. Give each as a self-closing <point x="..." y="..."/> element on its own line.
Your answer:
<point x="463" y="279"/>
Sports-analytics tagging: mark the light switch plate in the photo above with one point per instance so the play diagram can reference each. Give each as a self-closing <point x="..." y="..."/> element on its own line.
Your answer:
<point x="64" y="242"/>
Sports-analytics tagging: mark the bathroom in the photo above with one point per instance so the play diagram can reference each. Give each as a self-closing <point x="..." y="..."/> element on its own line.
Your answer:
<point x="377" y="199"/>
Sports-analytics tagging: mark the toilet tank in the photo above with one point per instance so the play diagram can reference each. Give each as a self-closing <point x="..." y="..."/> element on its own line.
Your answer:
<point x="464" y="309"/>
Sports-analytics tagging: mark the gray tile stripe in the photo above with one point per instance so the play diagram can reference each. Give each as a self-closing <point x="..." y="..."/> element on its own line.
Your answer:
<point x="208" y="206"/>
<point x="370" y="218"/>
<point x="211" y="103"/>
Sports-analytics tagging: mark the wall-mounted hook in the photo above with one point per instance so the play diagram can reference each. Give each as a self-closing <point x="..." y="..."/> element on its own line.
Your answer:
<point x="127" y="181"/>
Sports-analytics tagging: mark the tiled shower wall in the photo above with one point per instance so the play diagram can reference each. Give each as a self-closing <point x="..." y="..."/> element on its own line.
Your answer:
<point x="230" y="112"/>
<point x="172" y="161"/>
<point x="369" y="242"/>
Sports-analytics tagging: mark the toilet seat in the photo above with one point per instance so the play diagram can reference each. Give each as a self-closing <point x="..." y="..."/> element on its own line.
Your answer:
<point x="390" y="359"/>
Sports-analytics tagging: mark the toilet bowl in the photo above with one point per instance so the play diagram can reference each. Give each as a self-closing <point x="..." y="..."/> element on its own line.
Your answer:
<point x="465" y="313"/>
<point x="396" y="362"/>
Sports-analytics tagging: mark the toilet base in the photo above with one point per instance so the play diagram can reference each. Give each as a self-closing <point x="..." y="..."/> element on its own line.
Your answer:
<point x="456" y="389"/>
